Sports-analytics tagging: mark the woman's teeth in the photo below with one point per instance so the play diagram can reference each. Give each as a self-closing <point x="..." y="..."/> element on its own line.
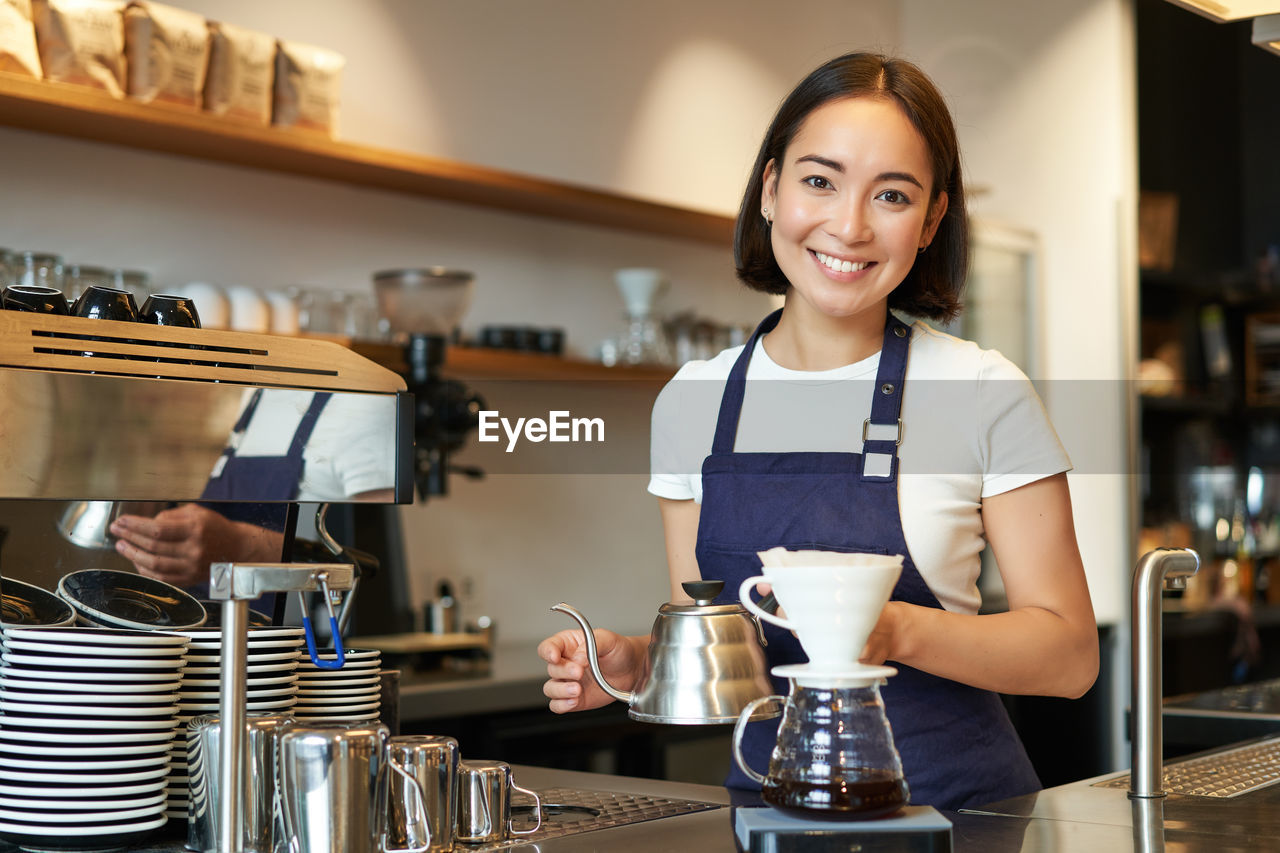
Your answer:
<point x="837" y="265"/>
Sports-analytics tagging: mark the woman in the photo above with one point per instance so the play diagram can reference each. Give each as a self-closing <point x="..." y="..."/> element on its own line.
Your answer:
<point x="855" y="207"/>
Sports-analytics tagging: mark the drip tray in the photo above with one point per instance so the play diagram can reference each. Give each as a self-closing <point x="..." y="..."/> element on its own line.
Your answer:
<point x="1226" y="773"/>
<point x="569" y="811"/>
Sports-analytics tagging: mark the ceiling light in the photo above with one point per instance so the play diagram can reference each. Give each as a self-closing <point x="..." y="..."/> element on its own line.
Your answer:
<point x="1230" y="10"/>
<point x="1266" y="32"/>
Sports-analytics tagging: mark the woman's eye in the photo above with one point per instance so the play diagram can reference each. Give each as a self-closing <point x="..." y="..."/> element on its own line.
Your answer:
<point x="894" y="197"/>
<point x="818" y="182"/>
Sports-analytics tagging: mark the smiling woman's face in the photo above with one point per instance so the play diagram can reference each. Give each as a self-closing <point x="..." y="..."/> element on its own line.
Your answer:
<point x="850" y="206"/>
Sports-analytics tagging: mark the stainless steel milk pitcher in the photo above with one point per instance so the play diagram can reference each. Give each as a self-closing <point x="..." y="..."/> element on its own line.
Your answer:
<point x="334" y="788"/>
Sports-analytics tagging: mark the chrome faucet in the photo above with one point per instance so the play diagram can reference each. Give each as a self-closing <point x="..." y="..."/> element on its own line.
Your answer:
<point x="1158" y="569"/>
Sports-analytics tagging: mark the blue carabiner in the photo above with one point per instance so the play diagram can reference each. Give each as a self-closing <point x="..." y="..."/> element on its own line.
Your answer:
<point x="334" y="631"/>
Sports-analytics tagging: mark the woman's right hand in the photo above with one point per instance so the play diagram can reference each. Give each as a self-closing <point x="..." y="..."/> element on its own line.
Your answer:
<point x="571" y="687"/>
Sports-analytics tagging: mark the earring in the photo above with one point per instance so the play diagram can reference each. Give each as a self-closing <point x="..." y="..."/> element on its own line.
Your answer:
<point x="920" y="251"/>
<point x="764" y="211"/>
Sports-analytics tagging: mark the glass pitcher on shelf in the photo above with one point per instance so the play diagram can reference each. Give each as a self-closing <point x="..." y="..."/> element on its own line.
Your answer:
<point x="643" y="339"/>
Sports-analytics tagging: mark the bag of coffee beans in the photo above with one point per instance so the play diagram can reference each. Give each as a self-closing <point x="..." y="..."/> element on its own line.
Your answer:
<point x="81" y="42"/>
<point x="308" y="86"/>
<point x="18" y="53"/>
<point x="167" y="51"/>
<point x="241" y="68"/>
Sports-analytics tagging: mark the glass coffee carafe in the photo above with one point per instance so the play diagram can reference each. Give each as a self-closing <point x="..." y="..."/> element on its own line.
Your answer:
<point x="835" y="758"/>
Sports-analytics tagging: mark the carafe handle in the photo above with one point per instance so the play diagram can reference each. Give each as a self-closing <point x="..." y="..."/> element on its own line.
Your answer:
<point x="740" y="728"/>
<point x="744" y="593"/>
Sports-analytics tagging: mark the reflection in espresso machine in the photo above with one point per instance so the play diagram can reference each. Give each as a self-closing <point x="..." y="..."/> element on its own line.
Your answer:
<point x="317" y="446"/>
<point x="90" y="437"/>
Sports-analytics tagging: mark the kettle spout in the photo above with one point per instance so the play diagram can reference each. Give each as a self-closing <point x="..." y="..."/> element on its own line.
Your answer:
<point x="592" y="657"/>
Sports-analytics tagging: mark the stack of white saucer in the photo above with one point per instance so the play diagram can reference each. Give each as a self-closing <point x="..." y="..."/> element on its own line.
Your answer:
<point x="349" y="694"/>
<point x="270" y="685"/>
<point x="87" y="719"/>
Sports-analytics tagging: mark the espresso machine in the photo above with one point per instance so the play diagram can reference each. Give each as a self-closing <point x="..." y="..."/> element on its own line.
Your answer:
<point x="109" y="411"/>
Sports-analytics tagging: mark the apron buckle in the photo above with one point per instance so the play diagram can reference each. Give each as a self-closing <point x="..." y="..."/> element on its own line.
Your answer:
<point x="867" y="426"/>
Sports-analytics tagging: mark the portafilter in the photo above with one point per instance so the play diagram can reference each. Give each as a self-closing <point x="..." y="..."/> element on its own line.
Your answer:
<point x="704" y="665"/>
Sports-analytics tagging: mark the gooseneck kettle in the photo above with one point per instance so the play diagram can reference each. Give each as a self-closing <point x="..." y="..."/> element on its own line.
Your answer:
<point x="705" y="662"/>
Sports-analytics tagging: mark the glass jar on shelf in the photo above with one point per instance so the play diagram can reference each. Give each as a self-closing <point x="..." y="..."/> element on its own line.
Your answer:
<point x="43" y="269"/>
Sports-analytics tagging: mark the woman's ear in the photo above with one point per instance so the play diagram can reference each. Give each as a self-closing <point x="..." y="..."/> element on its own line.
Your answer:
<point x="769" y="190"/>
<point x="937" y="210"/>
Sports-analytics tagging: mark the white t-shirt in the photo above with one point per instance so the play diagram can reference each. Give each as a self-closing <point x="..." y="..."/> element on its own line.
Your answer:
<point x="972" y="427"/>
<point x="347" y="453"/>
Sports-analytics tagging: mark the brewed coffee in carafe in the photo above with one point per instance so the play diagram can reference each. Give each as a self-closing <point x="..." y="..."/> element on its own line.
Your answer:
<point x="835" y="756"/>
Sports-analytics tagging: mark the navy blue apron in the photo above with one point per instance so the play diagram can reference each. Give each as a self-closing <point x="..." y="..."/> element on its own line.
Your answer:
<point x="262" y="478"/>
<point x="237" y="482"/>
<point x="957" y="744"/>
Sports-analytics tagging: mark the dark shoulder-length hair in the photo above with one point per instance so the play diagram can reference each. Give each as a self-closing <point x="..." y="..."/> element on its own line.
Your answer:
<point x="933" y="286"/>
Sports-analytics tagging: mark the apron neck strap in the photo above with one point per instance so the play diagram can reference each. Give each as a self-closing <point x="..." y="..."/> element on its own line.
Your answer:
<point x="308" y="424"/>
<point x="735" y="389"/>
<point x="242" y="423"/>
<point x="881" y="432"/>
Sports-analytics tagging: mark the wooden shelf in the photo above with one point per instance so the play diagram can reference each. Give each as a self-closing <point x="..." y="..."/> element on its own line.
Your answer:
<point x="89" y="114"/>
<point x="481" y="363"/>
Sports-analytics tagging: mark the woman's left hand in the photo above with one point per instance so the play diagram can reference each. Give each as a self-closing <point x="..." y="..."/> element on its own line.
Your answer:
<point x="882" y="642"/>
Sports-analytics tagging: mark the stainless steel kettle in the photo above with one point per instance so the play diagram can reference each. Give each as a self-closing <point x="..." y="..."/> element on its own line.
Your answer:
<point x="704" y="665"/>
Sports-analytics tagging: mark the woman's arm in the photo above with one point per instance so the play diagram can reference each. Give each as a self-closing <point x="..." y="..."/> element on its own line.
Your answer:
<point x="680" y="532"/>
<point x="1046" y="644"/>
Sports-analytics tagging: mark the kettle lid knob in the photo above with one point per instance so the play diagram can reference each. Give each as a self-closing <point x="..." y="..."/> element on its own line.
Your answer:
<point x="702" y="592"/>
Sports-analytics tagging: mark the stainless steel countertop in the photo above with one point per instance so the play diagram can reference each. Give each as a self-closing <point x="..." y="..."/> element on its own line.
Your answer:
<point x="1074" y="818"/>
<point x="1215" y="718"/>
<point x="1079" y="816"/>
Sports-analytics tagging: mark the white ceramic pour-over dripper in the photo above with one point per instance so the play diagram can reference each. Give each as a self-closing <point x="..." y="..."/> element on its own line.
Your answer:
<point x="832" y="601"/>
<point x="640" y="288"/>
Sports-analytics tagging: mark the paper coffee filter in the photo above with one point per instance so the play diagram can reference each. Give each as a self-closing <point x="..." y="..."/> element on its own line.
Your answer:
<point x="779" y="558"/>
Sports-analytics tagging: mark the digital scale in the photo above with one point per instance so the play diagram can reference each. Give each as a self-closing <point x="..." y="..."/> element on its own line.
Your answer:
<point x="917" y="829"/>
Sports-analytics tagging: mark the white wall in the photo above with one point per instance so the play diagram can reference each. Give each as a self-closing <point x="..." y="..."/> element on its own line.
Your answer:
<point x="664" y="99"/>
<point x="1044" y="95"/>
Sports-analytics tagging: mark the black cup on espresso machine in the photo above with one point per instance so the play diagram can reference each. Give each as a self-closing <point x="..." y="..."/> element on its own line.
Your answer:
<point x="446" y="411"/>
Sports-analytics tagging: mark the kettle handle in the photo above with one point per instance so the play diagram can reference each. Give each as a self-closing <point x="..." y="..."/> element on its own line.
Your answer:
<point x="740" y="728"/>
<point x="744" y="593"/>
<point x="592" y="658"/>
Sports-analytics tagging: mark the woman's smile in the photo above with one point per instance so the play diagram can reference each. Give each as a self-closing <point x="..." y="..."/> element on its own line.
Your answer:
<point x="840" y="266"/>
